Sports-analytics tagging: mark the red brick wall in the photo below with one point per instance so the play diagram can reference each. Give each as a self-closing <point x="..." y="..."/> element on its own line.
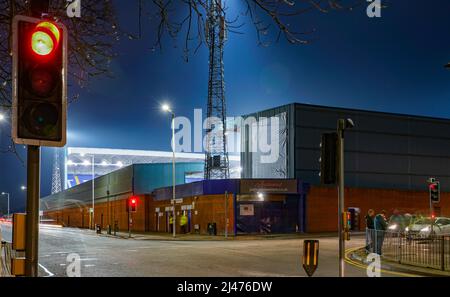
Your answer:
<point x="207" y="209"/>
<point x="321" y="204"/>
<point x="110" y="212"/>
<point x="210" y="208"/>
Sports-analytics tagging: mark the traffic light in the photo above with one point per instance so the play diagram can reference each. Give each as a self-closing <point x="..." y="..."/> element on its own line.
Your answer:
<point x="328" y="158"/>
<point x="434" y="188"/>
<point x="133" y="204"/>
<point x="39" y="82"/>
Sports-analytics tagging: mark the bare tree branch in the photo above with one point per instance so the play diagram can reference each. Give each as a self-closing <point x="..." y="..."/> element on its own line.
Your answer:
<point x="266" y="16"/>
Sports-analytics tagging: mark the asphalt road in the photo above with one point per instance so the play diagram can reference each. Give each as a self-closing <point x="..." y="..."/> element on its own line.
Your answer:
<point x="107" y="256"/>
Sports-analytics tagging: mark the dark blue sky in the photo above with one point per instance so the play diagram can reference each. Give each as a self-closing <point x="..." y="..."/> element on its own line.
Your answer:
<point x="393" y="64"/>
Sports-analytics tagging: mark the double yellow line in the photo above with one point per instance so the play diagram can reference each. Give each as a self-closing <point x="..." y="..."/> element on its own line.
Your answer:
<point x="362" y="266"/>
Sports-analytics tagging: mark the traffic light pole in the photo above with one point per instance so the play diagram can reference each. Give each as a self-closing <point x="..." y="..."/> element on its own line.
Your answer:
<point x="129" y="221"/>
<point x="341" y="127"/>
<point x="32" y="218"/>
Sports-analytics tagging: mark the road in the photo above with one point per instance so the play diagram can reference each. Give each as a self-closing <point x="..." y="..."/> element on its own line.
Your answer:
<point x="107" y="256"/>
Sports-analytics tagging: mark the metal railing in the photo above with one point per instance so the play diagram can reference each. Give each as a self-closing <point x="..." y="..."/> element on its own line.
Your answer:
<point x="430" y="251"/>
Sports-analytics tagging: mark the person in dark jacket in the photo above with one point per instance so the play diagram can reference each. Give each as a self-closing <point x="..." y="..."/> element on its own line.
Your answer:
<point x="370" y="230"/>
<point x="380" y="223"/>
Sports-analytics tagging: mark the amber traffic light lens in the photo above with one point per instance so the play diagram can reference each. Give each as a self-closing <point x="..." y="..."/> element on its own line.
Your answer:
<point x="42" y="81"/>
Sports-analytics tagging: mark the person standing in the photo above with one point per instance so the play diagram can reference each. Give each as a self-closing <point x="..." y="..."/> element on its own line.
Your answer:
<point x="183" y="223"/>
<point x="380" y="224"/>
<point x="370" y="230"/>
<point x="171" y="224"/>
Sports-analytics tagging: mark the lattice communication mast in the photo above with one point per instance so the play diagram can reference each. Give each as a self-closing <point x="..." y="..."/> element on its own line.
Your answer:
<point x="56" y="173"/>
<point x="216" y="156"/>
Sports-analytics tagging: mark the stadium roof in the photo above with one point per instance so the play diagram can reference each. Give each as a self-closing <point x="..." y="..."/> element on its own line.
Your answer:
<point x="78" y="160"/>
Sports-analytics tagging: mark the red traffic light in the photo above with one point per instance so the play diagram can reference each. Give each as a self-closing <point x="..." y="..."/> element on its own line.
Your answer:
<point x="132" y="202"/>
<point x="45" y="38"/>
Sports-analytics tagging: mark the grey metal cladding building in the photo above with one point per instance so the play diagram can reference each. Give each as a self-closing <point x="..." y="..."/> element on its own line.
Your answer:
<point x="383" y="150"/>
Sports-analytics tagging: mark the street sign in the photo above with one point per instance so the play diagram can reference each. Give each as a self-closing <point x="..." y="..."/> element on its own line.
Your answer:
<point x="178" y="201"/>
<point x="310" y="256"/>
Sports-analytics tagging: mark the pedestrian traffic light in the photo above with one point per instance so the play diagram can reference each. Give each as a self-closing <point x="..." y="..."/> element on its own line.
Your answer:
<point x="434" y="188"/>
<point x="133" y="204"/>
<point x="346" y="224"/>
<point x="39" y="82"/>
<point x="328" y="158"/>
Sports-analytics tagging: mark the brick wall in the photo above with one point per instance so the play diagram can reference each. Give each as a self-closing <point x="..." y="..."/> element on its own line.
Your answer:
<point x="105" y="213"/>
<point x="206" y="209"/>
<point x="209" y="208"/>
<point x="321" y="204"/>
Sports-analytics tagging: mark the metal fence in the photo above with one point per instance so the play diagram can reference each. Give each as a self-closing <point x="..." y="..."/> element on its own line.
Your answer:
<point x="5" y="259"/>
<point x="431" y="251"/>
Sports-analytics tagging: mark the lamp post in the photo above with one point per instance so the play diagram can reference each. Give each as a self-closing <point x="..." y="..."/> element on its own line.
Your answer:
<point x="7" y="195"/>
<point x="166" y="108"/>
<point x="342" y="125"/>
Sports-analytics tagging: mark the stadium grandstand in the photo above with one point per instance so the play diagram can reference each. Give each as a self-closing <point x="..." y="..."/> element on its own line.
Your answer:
<point x="80" y="164"/>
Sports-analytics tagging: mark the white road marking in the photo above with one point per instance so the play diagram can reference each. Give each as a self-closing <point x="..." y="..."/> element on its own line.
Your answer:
<point x="49" y="274"/>
<point x="88" y="259"/>
<point x="89" y="265"/>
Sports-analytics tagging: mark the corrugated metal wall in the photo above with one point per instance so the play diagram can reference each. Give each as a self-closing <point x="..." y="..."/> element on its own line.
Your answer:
<point x="382" y="151"/>
<point x="138" y="179"/>
<point x="148" y="177"/>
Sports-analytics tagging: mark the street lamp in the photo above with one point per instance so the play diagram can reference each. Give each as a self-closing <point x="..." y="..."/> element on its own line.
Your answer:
<point x="2" y="117"/>
<point x="23" y="188"/>
<point x="260" y="196"/>
<point x="166" y="108"/>
<point x="7" y="195"/>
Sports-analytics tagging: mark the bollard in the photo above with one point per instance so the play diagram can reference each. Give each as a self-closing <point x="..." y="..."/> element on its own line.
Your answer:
<point x="116" y="227"/>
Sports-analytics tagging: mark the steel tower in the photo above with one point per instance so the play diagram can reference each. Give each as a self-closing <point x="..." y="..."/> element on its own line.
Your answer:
<point x="216" y="155"/>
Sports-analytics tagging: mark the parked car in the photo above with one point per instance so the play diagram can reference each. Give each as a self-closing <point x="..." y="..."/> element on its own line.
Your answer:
<point x="426" y="227"/>
<point x="441" y="226"/>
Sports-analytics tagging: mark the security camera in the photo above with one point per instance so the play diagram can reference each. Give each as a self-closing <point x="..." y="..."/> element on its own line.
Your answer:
<point x="349" y="123"/>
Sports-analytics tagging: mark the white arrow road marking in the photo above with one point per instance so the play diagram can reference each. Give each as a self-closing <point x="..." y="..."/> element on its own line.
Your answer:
<point x="49" y="274"/>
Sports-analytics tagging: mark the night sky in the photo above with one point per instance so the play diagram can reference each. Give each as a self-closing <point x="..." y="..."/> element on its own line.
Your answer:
<point x="392" y="64"/>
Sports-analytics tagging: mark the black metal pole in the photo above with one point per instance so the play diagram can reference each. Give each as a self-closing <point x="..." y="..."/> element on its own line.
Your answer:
<point x="341" y="127"/>
<point x="32" y="219"/>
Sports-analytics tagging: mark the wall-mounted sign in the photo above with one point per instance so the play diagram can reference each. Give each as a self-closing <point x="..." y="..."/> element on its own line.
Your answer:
<point x="186" y="207"/>
<point x="268" y="186"/>
<point x="246" y="210"/>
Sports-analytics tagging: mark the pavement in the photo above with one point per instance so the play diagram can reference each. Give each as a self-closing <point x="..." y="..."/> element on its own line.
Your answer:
<point x="150" y="255"/>
<point x="201" y="237"/>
